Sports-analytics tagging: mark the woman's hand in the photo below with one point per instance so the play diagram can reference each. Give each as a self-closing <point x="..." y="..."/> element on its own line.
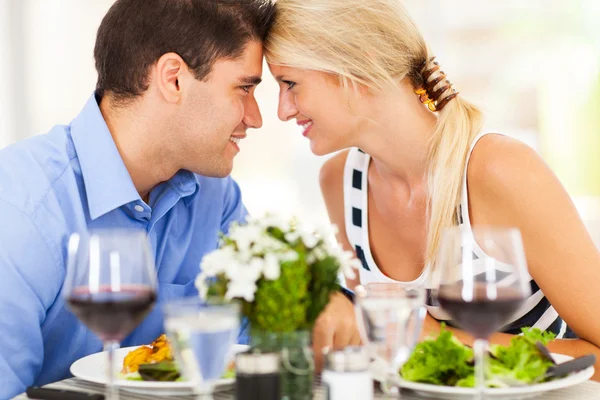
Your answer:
<point x="335" y="328"/>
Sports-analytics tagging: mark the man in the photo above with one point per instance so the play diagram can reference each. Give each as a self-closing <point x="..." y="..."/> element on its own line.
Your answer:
<point x="152" y="149"/>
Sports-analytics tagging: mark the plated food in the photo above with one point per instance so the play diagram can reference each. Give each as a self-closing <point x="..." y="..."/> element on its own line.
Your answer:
<point x="446" y="361"/>
<point x="155" y="362"/>
<point x="157" y="351"/>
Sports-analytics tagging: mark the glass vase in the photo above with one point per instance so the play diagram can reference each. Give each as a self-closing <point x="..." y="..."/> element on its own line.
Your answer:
<point x="297" y="364"/>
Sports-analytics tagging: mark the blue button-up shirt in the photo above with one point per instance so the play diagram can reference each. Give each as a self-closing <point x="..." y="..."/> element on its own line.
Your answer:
<point x="69" y="180"/>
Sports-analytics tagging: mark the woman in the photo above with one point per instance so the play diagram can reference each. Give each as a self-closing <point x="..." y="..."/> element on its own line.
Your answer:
<point x="357" y="75"/>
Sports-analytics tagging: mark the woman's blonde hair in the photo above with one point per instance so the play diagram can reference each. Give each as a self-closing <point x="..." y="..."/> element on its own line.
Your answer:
<point x="375" y="43"/>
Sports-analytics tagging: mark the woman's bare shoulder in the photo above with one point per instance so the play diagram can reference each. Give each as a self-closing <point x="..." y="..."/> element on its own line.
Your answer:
<point x="500" y="162"/>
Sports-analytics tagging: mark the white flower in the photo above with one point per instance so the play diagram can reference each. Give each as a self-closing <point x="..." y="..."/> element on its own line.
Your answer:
<point x="310" y="239"/>
<point x="292" y="236"/>
<point x="288" y="256"/>
<point x="238" y="272"/>
<point x="254" y="254"/>
<point x="267" y="244"/>
<point x="245" y="235"/>
<point x="327" y="234"/>
<point x="241" y="289"/>
<point x="272" y="268"/>
<point x="244" y="256"/>
<point x="202" y="285"/>
<point x="274" y="221"/>
<point x="217" y="261"/>
<point x="348" y="263"/>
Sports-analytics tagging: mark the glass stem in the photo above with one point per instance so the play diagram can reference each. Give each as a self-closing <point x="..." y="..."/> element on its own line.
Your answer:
<point x="112" y="391"/>
<point x="389" y="387"/>
<point x="480" y="347"/>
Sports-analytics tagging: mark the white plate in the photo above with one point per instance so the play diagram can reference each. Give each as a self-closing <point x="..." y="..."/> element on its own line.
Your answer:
<point x="523" y="392"/>
<point x="93" y="369"/>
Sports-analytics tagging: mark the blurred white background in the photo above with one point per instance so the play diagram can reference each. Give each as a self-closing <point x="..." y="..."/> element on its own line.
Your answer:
<point x="533" y="65"/>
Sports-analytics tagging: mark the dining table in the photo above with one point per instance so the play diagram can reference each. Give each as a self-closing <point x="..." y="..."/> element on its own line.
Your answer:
<point x="588" y="390"/>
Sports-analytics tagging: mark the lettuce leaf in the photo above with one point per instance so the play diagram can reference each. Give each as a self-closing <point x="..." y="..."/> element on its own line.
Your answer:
<point x="442" y="361"/>
<point x="521" y="362"/>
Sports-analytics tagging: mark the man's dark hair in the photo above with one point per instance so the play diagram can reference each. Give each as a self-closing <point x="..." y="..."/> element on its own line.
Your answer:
<point x="134" y="34"/>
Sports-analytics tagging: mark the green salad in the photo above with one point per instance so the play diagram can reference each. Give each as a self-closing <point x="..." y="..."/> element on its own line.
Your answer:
<point x="446" y="361"/>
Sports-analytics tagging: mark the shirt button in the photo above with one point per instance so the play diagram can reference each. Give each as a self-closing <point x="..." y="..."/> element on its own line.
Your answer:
<point x="139" y="208"/>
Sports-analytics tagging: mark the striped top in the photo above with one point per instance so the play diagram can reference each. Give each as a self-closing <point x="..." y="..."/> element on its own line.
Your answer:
<point x="536" y="311"/>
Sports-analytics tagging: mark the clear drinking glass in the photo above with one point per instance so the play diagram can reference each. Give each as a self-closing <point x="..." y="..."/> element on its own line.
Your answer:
<point x="202" y="335"/>
<point x="389" y="318"/>
<point x="110" y="286"/>
<point x="483" y="280"/>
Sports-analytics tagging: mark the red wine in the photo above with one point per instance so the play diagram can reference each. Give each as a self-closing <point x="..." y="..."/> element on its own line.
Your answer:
<point x="481" y="316"/>
<point x="112" y="315"/>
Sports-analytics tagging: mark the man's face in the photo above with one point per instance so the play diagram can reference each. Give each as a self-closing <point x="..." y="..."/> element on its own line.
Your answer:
<point x="216" y="112"/>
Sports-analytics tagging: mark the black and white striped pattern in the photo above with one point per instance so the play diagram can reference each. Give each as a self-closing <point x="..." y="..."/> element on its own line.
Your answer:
<point x="536" y="311"/>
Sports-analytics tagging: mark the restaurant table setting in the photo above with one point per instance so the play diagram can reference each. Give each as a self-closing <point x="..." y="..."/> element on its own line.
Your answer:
<point x="278" y="275"/>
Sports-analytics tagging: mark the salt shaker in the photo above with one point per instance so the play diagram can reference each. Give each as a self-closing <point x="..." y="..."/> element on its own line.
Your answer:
<point x="257" y="376"/>
<point x="346" y="374"/>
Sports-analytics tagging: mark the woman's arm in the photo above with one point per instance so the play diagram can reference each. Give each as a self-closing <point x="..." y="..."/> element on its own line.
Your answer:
<point x="510" y="185"/>
<point x="336" y="326"/>
<point x="331" y="180"/>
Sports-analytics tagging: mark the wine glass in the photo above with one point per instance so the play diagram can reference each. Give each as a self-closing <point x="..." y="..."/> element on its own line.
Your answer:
<point x="483" y="280"/>
<point x="202" y="335"/>
<point x="110" y="286"/>
<point x="389" y="318"/>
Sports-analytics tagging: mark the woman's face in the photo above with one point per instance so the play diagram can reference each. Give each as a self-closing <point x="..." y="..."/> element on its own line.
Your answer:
<point x="327" y="114"/>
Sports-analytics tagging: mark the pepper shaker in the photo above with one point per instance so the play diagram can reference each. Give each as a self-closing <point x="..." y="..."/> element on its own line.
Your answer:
<point x="257" y="376"/>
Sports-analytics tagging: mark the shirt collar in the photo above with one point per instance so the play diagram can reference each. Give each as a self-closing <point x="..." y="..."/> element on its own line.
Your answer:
<point x="185" y="183"/>
<point x="108" y="184"/>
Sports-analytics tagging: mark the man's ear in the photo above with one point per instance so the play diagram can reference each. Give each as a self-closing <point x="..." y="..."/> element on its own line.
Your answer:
<point x="169" y="68"/>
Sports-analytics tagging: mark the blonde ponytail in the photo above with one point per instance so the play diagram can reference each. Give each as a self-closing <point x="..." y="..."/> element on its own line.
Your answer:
<point x="459" y="122"/>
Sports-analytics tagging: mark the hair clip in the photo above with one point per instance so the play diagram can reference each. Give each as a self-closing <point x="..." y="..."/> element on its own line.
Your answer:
<point x="424" y="98"/>
<point x="426" y="93"/>
<point x="446" y="100"/>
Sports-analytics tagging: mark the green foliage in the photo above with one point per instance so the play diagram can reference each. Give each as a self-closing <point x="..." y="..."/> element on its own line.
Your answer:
<point x="218" y="287"/>
<point x="280" y="305"/>
<point x="323" y="284"/>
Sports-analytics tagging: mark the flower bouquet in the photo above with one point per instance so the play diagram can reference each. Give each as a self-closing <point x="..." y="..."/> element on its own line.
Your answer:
<point x="283" y="274"/>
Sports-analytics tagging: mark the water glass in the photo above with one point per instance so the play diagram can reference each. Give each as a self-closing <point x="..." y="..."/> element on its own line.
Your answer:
<point x="389" y="317"/>
<point x="202" y="336"/>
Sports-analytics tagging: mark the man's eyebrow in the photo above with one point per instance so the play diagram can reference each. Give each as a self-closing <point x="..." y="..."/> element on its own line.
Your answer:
<point x="250" y="80"/>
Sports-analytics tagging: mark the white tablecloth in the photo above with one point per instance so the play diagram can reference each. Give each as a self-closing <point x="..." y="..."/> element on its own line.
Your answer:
<point x="585" y="391"/>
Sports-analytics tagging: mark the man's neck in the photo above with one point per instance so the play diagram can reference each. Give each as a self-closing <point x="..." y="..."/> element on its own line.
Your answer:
<point x="135" y="133"/>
